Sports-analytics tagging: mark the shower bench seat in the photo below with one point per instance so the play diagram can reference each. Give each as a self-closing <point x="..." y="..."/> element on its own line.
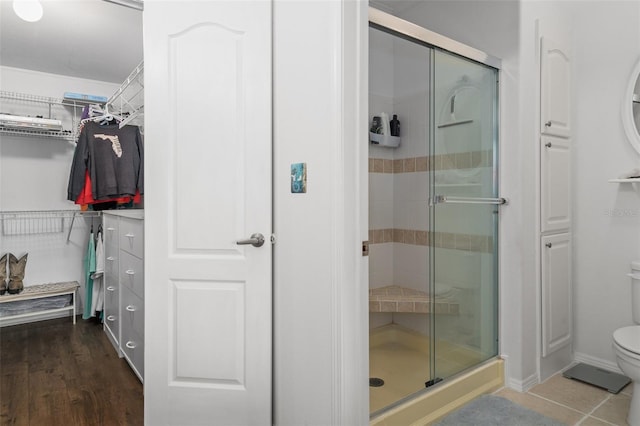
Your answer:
<point x="41" y="291"/>
<point x="395" y="298"/>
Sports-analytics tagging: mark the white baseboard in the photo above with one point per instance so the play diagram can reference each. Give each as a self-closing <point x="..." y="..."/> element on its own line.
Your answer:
<point x="522" y="385"/>
<point x="531" y="381"/>
<point x="515" y="384"/>
<point x="597" y="362"/>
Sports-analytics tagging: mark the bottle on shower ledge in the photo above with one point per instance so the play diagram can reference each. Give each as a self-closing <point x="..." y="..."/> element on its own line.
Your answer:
<point x="395" y="126"/>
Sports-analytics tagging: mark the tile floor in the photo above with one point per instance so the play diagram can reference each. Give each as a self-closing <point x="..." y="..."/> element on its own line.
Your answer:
<point x="574" y="403"/>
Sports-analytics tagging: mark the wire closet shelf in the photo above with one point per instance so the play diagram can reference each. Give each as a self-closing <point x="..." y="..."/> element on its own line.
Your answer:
<point x="30" y="222"/>
<point x="46" y="104"/>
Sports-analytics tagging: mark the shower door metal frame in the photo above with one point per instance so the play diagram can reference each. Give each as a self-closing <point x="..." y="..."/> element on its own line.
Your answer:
<point x="404" y="29"/>
<point x="387" y="22"/>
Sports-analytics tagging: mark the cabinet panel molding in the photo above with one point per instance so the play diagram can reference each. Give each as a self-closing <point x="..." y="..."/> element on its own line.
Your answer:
<point x="557" y="300"/>
<point x="555" y="185"/>
<point x="555" y="86"/>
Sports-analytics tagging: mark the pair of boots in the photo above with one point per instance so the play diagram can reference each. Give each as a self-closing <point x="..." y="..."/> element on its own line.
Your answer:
<point x="16" y="273"/>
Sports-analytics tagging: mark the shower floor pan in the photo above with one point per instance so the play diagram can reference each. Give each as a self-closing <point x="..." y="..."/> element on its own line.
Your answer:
<point x="400" y="357"/>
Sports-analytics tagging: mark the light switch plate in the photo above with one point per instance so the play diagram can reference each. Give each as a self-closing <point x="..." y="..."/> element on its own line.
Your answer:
<point x="298" y="178"/>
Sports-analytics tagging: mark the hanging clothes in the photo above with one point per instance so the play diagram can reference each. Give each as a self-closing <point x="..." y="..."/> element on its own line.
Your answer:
<point x="113" y="158"/>
<point x="89" y="268"/>
<point x="86" y="196"/>
<point x="97" y="276"/>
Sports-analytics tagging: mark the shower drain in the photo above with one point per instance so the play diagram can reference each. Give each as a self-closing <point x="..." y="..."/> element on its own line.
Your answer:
<point x="375" y="382"/>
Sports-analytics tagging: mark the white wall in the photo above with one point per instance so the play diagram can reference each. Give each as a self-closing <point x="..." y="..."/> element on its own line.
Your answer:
<point x="606" y="216"/>
<point x="320" y="277"/>
<point x="34" y="173"/>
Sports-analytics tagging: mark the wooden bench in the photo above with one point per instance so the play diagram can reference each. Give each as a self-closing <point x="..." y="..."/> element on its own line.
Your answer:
<point x="40" y="291"/>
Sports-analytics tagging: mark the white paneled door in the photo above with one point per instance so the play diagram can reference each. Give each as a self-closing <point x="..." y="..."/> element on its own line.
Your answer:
<point x="555" y="88"/>
<point x="556" y="293"/>
<point x="208" y="185"/>
<point x="555" y="184"/>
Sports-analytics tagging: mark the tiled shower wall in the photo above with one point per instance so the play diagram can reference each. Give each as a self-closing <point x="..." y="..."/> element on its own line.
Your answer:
<point x="399" y="184"/>
<point x="398" y="177"/>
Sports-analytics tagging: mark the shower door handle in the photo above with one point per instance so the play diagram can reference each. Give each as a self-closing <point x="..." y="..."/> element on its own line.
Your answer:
<point x="256" y="240"/>
<point x="446" y="199"/>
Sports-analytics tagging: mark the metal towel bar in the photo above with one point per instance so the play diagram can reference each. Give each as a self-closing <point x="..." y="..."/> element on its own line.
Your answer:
<point x="446" y="199"/>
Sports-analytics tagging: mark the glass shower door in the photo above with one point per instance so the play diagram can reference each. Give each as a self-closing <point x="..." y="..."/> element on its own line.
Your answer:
<point x="463" y="214"/>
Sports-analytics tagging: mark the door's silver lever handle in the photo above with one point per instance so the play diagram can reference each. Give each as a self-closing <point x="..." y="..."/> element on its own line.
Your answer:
<point x="256" y="240"/>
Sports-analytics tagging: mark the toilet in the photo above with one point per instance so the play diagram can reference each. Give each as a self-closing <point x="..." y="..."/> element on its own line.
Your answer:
<point x="626" y="345"/>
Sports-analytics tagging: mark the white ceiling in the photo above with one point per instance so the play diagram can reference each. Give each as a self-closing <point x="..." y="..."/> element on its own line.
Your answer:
<point x="91" y="39"/>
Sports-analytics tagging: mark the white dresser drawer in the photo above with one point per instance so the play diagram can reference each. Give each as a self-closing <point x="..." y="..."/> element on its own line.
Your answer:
<point x="110" y="232"/>
<point x="132" y="346"/>
<point x="112" y="322"/>
<point x="111" y="296"/>
<point x="132" y="273"/>
<point x="132" y="236"/>
<point x="132" y="311"/>
<point x="111" y="264"/>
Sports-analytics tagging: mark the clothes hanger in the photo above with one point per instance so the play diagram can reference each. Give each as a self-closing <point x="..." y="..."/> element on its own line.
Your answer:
<point x="102" y="115"/>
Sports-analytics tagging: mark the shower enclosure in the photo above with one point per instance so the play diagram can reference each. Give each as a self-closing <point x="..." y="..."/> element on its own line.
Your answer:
<point x="433" y="210"/>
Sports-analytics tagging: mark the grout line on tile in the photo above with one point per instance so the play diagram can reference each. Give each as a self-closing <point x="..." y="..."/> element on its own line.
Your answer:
<point x="586" y="415"/>
<point x="600" y="405"/>
<point x="582" y="420"/>
<point x="593" y="410"/>
<point x="557" y="403"/>
<point x="597" y="418"/>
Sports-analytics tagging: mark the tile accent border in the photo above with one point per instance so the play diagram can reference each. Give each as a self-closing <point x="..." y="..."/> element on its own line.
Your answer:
<point x="462" y="160"/>
<point x="450" y="240"/>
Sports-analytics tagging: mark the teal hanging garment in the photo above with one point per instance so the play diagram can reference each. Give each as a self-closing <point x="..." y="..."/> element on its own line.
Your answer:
<point x="89" y="268"/>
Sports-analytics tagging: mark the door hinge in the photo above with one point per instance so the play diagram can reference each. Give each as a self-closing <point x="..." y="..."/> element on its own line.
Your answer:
<point x="365" y="248"/>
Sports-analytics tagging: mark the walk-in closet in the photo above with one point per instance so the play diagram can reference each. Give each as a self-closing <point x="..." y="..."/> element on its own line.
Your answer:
<point x="71" y="212"/>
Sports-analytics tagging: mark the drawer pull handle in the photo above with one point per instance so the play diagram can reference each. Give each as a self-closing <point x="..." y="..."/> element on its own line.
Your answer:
<point x="111" y="318"/>
<point x="111" y="258"/>
<point x="130" y="344"/>
<point x="130" y="272"/>
<point x="131" y="308"/>
<point x="111" y="288"/>
<point x="129" y="235"/>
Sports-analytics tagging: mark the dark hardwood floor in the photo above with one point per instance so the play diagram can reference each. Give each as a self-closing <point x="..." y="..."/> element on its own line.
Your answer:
<point x="56" y="373"/>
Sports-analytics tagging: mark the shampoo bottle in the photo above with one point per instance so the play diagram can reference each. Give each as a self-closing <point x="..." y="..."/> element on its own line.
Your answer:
<point x="384" y="117"/>
<point x="395" y="126"/>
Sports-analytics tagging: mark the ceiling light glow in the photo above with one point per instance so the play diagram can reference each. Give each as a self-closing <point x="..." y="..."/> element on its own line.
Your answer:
<point x="28" y="10"/>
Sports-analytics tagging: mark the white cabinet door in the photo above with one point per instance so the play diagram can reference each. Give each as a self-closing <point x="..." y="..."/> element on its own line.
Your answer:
<point x="555" y="185"/>
<point x="556" y="293"/>
<point x="208" y="176"/>
<point x="555" y="86"/>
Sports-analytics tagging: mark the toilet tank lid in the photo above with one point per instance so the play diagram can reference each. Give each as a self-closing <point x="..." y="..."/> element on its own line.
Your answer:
<point x="635" y="265"/>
